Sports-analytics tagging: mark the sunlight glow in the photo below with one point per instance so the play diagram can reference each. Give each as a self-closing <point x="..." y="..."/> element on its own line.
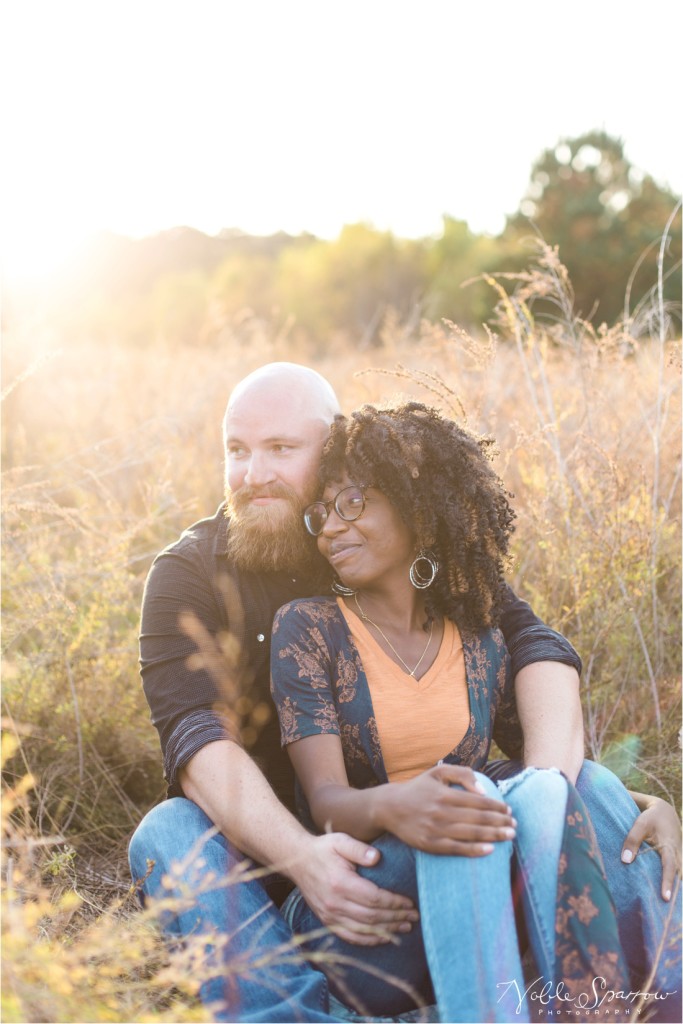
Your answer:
<point x="297" y="117"/>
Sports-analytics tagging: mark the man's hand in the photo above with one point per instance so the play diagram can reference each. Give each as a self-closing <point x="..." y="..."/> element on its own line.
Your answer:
<point x="658" y="825"/>
<point x="356" y="909"/>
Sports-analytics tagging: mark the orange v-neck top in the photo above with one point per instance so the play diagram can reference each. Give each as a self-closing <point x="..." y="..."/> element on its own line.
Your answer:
<point x="418" y="721"/>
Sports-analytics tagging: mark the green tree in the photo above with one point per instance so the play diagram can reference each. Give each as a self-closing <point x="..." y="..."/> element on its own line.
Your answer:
<point x="349" y="284"/>
<point x="455" y="257"/>
<point x="585" y="196"/>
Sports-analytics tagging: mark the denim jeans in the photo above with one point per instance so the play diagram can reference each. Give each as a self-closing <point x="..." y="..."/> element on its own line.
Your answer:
<point x="466" y="945"/>
<point x="293" y="990"/>
<point x="255" y="975"/>
<point x="649" y="927"/>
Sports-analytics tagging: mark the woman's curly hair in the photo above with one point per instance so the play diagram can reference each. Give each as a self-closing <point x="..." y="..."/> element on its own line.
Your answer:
<point x="439" y="478"/>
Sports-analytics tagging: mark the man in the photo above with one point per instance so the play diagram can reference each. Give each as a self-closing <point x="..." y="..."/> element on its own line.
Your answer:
<point x="232" y="574"/>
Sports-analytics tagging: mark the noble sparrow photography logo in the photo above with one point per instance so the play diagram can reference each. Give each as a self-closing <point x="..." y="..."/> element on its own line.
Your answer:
<point x="557" y="998"/>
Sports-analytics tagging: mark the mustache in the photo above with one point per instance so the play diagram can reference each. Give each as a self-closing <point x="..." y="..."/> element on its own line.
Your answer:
<point x="241" y="498"/>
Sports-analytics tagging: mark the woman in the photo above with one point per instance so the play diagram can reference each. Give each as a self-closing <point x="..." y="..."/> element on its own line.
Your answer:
<point x="389" y="698"/>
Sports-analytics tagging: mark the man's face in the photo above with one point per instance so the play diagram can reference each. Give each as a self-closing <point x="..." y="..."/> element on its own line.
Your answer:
<point x="273" y="447"/>
<point x="272" y="439"/>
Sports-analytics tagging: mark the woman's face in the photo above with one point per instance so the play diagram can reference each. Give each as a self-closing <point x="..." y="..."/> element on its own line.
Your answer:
<point x="374" y="549"/>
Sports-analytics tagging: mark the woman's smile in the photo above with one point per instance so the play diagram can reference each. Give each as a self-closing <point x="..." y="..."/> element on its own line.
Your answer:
<point x="339" y="551"/>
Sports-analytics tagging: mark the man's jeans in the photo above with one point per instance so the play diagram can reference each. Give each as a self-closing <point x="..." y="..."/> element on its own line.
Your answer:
<point x="649" y="927"/>
<point x="252" y="971"/>
<point x="258" y="976"/>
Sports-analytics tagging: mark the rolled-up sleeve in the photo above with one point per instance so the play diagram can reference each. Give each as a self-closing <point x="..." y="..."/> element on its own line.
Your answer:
<point x="528" y="639"/>
<point x="184" y="702"/>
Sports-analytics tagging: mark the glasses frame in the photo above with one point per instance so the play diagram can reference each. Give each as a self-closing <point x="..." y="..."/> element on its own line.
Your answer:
<point x="334" y="503"/>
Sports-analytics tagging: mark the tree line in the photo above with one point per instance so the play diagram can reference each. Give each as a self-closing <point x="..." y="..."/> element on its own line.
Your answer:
<point x="184" y="287"/>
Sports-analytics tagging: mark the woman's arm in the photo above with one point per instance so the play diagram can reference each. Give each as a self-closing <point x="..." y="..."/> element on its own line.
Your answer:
<point x="440" y="811"/>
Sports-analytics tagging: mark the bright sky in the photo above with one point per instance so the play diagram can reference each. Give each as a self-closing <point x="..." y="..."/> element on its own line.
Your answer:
<point x="308" y="114"/>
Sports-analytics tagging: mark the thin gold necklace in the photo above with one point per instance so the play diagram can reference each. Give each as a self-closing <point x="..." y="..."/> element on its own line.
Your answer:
<point x="366" y="618"/>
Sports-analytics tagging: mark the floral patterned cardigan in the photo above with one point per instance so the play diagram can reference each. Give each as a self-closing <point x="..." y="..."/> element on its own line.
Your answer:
<point x="319" y="686"/>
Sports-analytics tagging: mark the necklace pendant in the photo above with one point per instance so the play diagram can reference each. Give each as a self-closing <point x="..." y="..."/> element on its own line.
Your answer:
<point x="366" y="618"/>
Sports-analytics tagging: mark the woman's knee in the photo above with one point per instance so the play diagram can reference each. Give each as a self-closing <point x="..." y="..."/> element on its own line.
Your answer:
<point x="489" y="787"/>
<point x="538" y="798"/>
<point x="395" y="869"/>
<point x="538" y="784"/>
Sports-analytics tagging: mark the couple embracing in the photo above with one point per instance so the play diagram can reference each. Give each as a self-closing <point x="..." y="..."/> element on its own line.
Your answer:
<point x="422" y="872"/>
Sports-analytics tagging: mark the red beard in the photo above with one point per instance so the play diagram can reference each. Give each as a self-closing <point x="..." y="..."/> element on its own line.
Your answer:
<point x="268" y="538"/>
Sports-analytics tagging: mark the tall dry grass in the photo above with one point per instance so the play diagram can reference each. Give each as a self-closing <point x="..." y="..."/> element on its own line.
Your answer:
<point x="109" y="453"/>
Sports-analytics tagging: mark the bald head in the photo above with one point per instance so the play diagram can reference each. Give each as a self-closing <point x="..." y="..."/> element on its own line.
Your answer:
<point x="303" y="388"/>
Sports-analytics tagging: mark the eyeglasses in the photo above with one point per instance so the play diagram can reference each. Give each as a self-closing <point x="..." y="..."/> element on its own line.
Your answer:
<point x="349" y="504"/>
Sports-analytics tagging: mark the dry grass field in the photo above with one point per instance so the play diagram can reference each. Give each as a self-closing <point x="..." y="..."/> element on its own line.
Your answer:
<point x="109" y="452"/>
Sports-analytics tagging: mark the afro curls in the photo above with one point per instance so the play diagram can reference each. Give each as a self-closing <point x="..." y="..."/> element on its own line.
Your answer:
<point x="439" y="478"/>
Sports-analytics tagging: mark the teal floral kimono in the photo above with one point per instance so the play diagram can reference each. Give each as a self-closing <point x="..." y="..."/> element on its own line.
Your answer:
<point x="319" y="686"/>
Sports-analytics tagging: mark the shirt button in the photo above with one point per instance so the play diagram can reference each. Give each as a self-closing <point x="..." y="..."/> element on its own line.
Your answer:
<point x="260" y="637"/>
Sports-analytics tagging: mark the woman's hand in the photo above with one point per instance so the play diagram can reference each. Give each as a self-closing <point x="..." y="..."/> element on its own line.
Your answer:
<point x="659" y="826"/>
<point x="430" y="814"/>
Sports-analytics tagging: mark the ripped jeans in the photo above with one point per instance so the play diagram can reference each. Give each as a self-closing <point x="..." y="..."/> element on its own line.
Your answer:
<point x="464" y="953"/>
<point x="295" y="991"/>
